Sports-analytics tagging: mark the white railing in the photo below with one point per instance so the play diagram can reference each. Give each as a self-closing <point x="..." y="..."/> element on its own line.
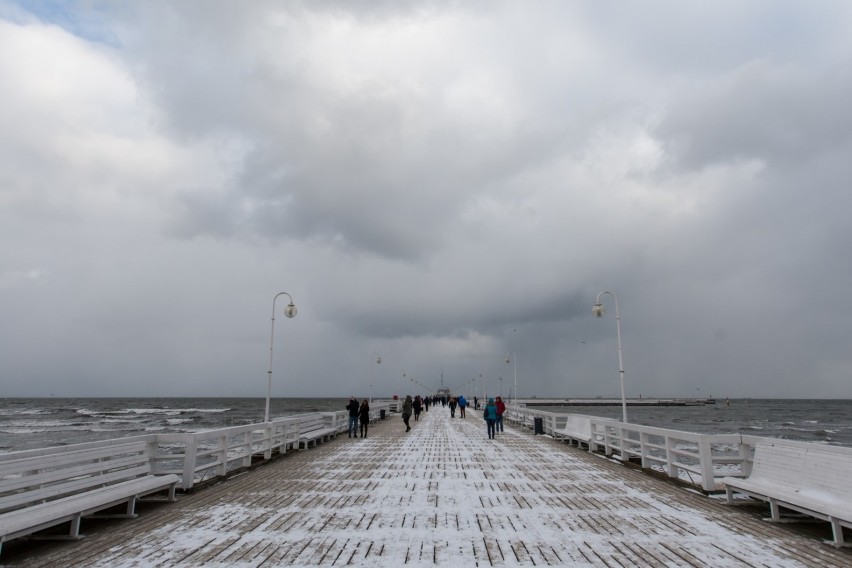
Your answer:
<point x="698" y="459"/>
<point x="200" y="456"/>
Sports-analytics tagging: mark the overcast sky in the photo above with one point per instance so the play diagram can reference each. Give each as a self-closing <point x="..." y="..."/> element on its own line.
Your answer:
<point x="440" y="183"/>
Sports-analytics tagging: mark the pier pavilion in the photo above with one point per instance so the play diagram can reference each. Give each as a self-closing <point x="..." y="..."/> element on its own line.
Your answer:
<point x="442" y="494"/>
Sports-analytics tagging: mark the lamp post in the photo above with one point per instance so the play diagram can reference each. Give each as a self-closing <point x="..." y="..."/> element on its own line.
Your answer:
<point x="599" y="311"/>
<point x="378" y="361"/>
<point x="290" y="311"/>
<point x="511" y="358"/>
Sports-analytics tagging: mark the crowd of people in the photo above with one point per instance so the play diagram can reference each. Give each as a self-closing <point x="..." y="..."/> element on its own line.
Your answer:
<point x="413" y="406"/>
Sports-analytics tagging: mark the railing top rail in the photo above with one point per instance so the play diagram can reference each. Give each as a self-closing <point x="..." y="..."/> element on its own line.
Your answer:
<point x="669" y="433"/>
<point x="293" y="419"/>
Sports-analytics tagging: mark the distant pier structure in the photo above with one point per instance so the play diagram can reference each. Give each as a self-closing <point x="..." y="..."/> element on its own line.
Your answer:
<point x="615" y="401"/>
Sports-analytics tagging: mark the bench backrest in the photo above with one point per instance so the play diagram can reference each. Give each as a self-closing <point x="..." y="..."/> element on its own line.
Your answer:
<point x="36" y="479"/>
<point x="812" y="468"/>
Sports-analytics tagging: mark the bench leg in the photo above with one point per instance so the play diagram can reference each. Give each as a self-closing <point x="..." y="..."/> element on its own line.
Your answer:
<point x="773" y="509"/>
<point x="75" y="526"/>
<point x="837" y="530"/>
<point x="729" y="495"/>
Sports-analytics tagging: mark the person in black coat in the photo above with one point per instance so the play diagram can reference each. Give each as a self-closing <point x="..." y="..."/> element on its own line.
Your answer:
<point x="364" y="417"/>
<point x="407" y="405"/>
<point x="352" y="407"/>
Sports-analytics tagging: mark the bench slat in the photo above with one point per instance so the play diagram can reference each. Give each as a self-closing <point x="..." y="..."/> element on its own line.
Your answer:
<point x="48" y="475"/>
<point x="23" y="465"/>
<point x="72" y="487"/>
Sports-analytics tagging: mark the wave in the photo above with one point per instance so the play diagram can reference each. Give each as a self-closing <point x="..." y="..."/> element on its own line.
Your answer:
<point x="176" y="421"/>
<point x="52" y="426"/>
<point x="153" y="411"/>
<point x="22" y="412"/>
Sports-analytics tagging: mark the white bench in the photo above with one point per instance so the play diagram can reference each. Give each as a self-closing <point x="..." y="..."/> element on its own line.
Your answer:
<point x="315" y="429"/>
<point x="812" y="481"/>
<point x="577" y="429"/>
<point x="47" y="489"/>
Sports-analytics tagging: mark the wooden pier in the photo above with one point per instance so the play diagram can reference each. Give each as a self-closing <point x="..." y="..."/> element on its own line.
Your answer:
<point x="442" y="494"/>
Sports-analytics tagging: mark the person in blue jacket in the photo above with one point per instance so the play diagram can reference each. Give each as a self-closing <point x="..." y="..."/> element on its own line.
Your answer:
<point x="462" y="405"/>
<point x="490" y="415"/>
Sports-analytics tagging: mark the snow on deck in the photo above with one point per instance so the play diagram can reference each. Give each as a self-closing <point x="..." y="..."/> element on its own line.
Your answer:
<point x="443" y="494"/>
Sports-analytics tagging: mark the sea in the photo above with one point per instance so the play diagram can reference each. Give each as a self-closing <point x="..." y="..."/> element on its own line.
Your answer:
<point x="28" y="423"/>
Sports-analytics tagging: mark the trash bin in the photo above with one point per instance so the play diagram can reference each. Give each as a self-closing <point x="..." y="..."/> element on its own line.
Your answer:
<point x="538" y="426"/>
<point x="382" y="414"/>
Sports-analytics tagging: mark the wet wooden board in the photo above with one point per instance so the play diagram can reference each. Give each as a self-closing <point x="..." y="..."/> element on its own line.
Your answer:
<point x="442" y="494"/>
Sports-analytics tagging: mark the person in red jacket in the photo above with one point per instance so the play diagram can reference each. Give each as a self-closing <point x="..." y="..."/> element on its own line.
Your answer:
<point x="501" y="408"/>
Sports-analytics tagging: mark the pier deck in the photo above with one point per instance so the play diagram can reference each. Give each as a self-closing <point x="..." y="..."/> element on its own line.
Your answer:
<point x="441" y="494"/>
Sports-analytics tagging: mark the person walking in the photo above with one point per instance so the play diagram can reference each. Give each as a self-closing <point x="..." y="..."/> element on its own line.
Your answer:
<point x="462" y="405"/>
<point x="453" y="403"/>
<point x="406" y="411"/>
<point x="417" y="406"/>
<point x="490" y="415"/>
<point x="352" y="407"/>
<point x="364" y="417"/>
<point x="501" y="408"/>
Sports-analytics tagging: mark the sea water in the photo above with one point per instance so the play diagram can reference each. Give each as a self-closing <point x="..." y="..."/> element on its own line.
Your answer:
<point x="43" y="422"/>
<point x="821" y="421"/>
<point x="27" y="423"/>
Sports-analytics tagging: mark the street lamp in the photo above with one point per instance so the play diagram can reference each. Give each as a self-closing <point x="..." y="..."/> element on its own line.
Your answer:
<point x="510" y="357"/>
<point x="378" y="360"/>
<point x="599" y="311"/>
<point x="290" y="311"/>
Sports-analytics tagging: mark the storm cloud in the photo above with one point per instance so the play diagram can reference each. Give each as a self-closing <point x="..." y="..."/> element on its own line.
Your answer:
<point x="443" y="183"/>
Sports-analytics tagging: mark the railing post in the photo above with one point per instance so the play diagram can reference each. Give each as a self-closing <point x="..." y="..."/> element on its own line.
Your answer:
<point x="643" y="438"/>
<point x="153" y="448"/>
<point x="268" y="433"/>
<point x="249" y="449"/>
<point x="671" y="468"/>
<point x="222" y="456"/>
<point x="622" y="455"/>
<point x="705" y="454"/>
<point x="747" y="456"/>
<point x="190" y="454"/>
